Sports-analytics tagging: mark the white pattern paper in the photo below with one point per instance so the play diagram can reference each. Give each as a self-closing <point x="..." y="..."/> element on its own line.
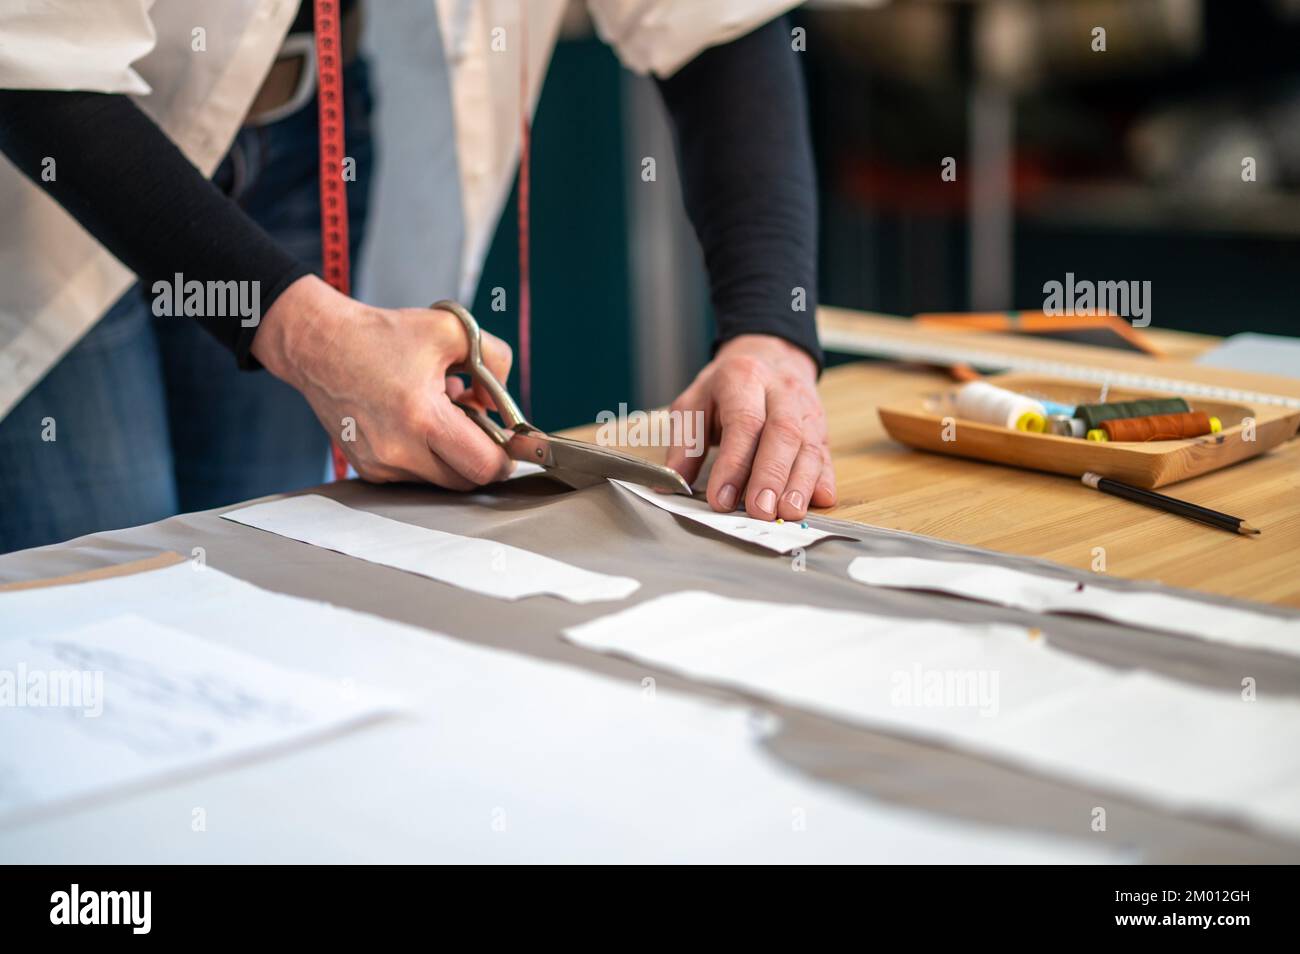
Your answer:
<point x="995" y="690"/>
<point x="472" y="563"/>
<point x="779" y="537"/>
<point x="126" y="700"/>
<point x="496" y="756"/>
<point x="1005" y="586"/>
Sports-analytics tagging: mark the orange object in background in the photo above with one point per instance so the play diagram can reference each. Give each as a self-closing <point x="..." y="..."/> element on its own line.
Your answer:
<point x="1103" y="331"/>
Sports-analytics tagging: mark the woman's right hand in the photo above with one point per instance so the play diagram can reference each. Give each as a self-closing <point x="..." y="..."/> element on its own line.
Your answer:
<point x="377" y="380"/>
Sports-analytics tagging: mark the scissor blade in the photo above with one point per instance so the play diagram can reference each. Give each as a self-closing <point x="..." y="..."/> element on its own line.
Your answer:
<point x="577" y="463"/>
<point x="580" y="464"/>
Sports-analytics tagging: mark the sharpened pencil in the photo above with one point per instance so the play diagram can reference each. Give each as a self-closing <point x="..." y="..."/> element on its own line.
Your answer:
<point x="1211" y="518"/>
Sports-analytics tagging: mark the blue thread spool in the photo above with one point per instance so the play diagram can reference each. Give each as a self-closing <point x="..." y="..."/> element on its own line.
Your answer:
<point x="1054" y="407"/>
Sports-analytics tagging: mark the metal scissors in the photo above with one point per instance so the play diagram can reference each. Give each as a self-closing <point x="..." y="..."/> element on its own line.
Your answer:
<point x="575" y="463"/>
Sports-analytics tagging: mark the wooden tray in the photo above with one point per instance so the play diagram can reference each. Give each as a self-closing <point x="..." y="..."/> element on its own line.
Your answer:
<point x="920" y="424"/>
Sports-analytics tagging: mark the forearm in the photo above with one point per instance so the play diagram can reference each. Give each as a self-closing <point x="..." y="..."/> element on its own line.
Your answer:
<point x="132" y="189"/>
<point x="740" y="117"/>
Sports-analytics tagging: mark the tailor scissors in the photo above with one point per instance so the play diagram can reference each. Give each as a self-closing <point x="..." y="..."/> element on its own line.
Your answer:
<point x="575" y="463"/>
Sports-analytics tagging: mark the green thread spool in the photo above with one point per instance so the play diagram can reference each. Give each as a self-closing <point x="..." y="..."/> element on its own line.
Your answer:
<point x="1093" y="414"/>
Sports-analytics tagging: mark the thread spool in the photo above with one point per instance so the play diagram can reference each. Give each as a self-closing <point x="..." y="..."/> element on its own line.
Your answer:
<point x="1093" y="414"/>
<point x="1064" y="426"/>
<point x="1161" y="427"/>
<point x="1055" y="408"/>
<point x="989" y="404"/>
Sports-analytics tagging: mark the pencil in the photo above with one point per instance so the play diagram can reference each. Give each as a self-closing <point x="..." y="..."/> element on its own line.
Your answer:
<point x="1182" y="508"/>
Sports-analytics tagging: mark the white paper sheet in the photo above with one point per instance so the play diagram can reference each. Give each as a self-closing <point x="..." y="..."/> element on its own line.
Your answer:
<point x="1265" y="354"/>
<point x="483" y="566"/>
<point x="780" y="537"/>
<point x="995" y="690"/>
<point x="497" y="757"/>
<point x="125" y="700"/>
<point x="525" y="468"/>
<point x="1006" y="586"/>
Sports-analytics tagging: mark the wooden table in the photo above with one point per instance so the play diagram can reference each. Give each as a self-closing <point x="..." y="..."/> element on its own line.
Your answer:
<point x="885" y="484"/>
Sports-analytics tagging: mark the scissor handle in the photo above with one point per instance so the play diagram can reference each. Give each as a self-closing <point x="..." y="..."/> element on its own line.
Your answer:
<point x="478" y="371"/>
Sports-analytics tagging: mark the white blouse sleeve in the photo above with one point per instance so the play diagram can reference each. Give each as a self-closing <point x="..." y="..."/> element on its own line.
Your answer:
<point x="85" y="45"/>
<point x="662" y="36"/>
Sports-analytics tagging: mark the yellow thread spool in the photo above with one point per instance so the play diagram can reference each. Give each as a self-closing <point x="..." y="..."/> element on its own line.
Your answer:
<point x="1031" y="421"/>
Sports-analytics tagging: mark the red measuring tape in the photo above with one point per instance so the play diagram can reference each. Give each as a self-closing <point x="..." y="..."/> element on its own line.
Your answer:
<point x="525" y="291"/>
<point x="333" y="193"/>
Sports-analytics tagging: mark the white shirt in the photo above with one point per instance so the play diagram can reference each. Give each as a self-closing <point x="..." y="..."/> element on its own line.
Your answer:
<point x="56" y="280"/>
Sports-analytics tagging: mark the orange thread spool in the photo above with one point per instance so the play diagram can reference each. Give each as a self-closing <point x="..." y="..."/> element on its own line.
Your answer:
<point x="1158" y="427"/>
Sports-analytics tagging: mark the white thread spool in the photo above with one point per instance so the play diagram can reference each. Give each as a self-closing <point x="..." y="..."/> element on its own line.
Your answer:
<point x="989" y="404"/>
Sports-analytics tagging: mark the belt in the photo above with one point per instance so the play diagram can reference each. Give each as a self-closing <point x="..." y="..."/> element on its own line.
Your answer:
<point x="291" y="81"/>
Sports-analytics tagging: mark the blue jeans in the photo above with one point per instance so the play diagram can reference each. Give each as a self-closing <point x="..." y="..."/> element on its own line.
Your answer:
<point x="150" y="416"/>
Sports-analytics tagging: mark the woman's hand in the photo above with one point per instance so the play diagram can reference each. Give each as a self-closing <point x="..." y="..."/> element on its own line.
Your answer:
<point x="377" y="380"/>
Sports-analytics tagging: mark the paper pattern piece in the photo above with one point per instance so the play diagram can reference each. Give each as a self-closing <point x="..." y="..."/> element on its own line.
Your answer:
<point x="496" y="757"/>
<point x="779" y="537"/>
<point x="483" y="566"/>
<point x="991" y="689"/>
<point x="525" y="468"/>
<point x="127" y="699"/>
<point x="1005" y="586"/>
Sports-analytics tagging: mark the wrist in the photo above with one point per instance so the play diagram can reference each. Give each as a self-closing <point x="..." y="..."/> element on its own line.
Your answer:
<point x="772" y="349"/>
<point x="295" y="326"/>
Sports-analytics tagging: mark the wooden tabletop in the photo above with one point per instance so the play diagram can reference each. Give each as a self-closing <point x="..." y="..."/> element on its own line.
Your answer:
<point x="1044" y="515"/>
<point x="884" y="484"/>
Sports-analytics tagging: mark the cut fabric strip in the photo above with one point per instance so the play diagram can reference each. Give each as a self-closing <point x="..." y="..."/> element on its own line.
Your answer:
<point x="1004" y="586"/>
<point x="482" y="566"/>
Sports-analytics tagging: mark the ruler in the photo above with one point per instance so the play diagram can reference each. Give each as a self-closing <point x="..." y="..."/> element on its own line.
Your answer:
<point x="871" y="341"/>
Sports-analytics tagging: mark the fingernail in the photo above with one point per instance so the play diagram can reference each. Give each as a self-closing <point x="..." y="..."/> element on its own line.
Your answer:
<point x="727" y="497"/>
<point x="767" y="501"/>
<point x="795" y="499"/>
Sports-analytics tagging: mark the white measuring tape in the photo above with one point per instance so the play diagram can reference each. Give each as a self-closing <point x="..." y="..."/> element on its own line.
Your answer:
<point x="850" y="342"/>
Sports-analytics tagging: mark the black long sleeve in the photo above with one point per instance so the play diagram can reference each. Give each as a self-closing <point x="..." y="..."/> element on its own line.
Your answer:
<point x="130" y="187"/>
<point x="740" y="117"/>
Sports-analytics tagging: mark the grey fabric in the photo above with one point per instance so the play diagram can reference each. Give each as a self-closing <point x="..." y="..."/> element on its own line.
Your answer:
<point x="604" y="529"/>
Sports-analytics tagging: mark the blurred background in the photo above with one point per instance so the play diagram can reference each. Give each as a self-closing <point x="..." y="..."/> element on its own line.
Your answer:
<point x="1117" y="164"/>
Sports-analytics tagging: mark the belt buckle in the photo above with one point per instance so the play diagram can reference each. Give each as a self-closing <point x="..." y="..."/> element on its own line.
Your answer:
<point x="295" y="44"/>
